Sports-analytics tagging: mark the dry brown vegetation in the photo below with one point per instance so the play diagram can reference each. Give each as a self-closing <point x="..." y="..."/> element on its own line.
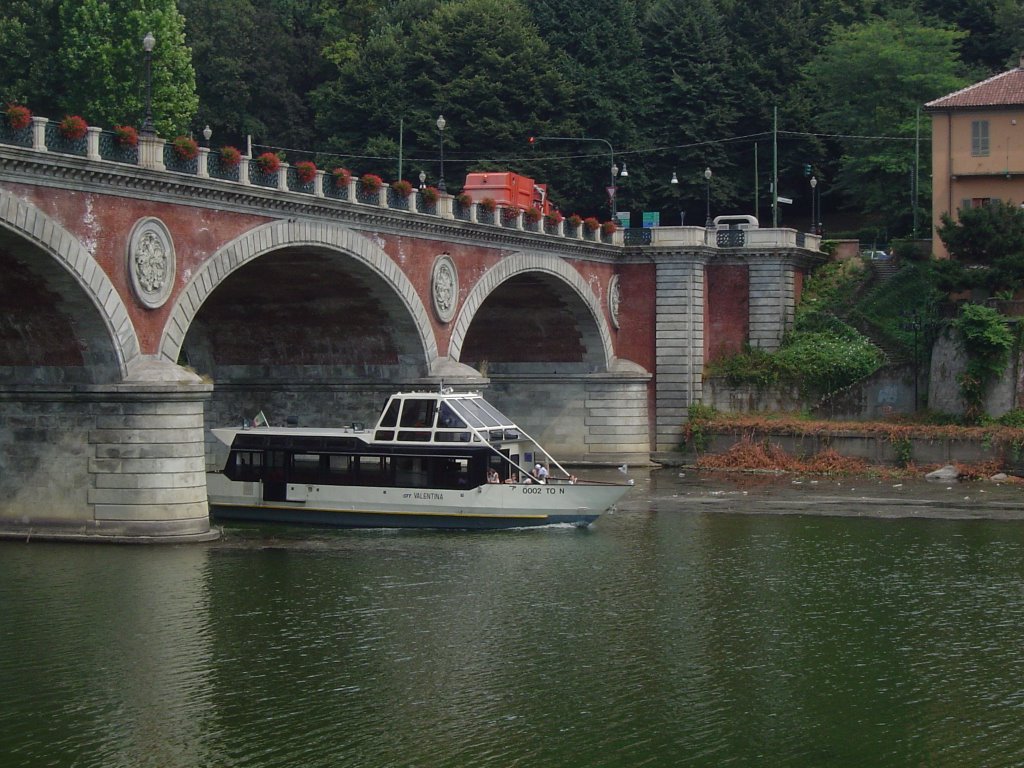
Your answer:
<point x="754" y="449"/>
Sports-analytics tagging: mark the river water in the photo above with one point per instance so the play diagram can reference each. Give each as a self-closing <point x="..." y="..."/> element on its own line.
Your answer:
<point x="693" y="626"/>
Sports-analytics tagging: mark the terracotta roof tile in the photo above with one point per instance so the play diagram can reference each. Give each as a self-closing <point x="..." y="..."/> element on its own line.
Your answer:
<point x="1003" y="90"/>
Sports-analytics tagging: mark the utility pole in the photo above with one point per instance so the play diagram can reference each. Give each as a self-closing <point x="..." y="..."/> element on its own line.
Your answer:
<point x="775" y="167"/>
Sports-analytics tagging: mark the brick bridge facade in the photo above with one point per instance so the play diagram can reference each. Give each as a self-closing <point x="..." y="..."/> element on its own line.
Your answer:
<point x="145" y="303"/>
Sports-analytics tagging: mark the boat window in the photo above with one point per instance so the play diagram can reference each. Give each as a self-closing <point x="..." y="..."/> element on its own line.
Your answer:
<point x="412" y="472"/>
<point x="418" y="413"/>
<point x="245" y="465"/>
<point x="449" y="419"/>
<point x="339" y="469"/>
<point x="305" y="468"/>
<point x="451" y="437"/>
<point x="494" y="413"/>
<point x="382" y="434"/>
<point x="375" y="470"/>
<point x="409" y="435"/>
<point x="467" y="414"/>
<point x="453" y="473"/>
<point x="480" y="413"/>
<point x="390" y="417"/>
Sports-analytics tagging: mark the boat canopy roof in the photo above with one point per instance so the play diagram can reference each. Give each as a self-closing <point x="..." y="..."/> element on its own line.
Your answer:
<point x="443" y="416"/>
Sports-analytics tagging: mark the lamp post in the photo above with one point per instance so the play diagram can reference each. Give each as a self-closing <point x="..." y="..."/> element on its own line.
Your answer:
<point x="423" y="179"/>
<point x="207" y="133"/>
<point x="611" y="150"/>
<point x="441" y="123"/>
<point x="707" y="197"/>
<point x="675" y="187"/>
<point x="147" y="45"/>
<point x="814" y="206"/>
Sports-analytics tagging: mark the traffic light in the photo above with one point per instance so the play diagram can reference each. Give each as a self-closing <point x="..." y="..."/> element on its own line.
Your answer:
<point x="531" y="140"/>
<point x="807" y="169"/>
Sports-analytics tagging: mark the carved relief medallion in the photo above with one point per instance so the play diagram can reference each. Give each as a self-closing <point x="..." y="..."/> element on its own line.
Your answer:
<point x="444" y="285"/>
<point x="151" y="262"/>
<point x="614" y="297"/>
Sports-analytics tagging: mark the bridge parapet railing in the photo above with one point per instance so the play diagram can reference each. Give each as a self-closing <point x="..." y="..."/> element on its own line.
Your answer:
<point x="156" y="154"/>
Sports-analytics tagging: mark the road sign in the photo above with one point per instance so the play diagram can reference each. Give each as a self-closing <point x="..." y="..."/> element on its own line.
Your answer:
<point x="611" y="192"/>
<point x="786" y="200"/>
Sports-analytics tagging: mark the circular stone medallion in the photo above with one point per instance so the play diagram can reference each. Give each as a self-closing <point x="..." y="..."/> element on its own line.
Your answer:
<point x="151" y="262"/>
<point x="444" y="287"/>
<point x="614" y="297"/>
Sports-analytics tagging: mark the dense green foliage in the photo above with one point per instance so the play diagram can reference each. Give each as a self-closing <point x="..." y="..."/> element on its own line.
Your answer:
<point x="990" y="237"/>
<point x="671" y="85"/>
<point x="987" y="340"/>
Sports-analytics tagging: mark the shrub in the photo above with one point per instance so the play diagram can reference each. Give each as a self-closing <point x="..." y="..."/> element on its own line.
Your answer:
<point x="987" y="340"/>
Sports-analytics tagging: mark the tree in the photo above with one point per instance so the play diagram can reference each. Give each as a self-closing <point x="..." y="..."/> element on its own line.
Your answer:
<point x="870" y="81"/>
<point x="689" y="67"/>
<point x="28" y="35"/>
<point x="101" y="59"/>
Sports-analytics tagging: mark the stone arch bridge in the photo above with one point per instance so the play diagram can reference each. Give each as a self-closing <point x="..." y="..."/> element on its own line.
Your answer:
<point x="146" y="301"/>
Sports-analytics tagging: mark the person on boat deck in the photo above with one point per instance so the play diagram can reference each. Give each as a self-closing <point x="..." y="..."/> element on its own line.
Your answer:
<point x="513" y="478"/>
<point x="540" y="473"/>
<point x="492" y="476"/>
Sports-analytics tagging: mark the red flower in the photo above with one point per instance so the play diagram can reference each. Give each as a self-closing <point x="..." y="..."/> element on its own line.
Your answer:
<point x="268" y="162"/>
<point x="185" y="147"/>
<point x="591" y="223"/>
<point x="553" y="217"/>
<point x="305" y="170"/>
<point x="575" y="220"/>
<point x="464" y="200"/>
<point x="126" y="135"/>
<point x="73" y="127"/>
<point x="402" y="187"/>
<point x="488" y="204"/>
<point x="18" y="117"/>
<point x="608" y="228"/>
<point x="370" y="182"/>
<point x="430" y="195"/>
<point x="532" y="215"/>
<point x="342" y="176"/>
<point x="230" y="157"/>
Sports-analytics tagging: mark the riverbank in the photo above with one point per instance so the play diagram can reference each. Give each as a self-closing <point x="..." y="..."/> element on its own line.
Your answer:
<point x="782" y="442"/>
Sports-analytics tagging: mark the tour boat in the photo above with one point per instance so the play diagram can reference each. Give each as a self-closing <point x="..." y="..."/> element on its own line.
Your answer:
<point x="440" y="459"/>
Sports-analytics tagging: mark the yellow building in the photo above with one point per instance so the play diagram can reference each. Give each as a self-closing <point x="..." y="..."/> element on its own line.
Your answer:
<point x="977" y="147"/>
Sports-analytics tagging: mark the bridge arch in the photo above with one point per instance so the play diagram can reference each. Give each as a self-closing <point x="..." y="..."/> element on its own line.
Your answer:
<point x="522" y="264"/>
<point x="93" y="316"/>
<point x="292" y="234"/>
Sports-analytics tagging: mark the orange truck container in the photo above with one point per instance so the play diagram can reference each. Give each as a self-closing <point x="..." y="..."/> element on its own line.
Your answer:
<point x="508" y="189"/>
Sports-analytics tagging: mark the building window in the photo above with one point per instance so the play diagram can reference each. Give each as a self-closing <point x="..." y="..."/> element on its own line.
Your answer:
<point x="979" y="138"/>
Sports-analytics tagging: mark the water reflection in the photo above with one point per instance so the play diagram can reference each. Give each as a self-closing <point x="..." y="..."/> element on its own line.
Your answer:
<point x="673" y="632"/>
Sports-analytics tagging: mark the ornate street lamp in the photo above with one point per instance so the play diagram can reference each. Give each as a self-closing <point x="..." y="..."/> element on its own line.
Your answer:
<point x="423" y="179"/>
<point x="441" y="123"/>
<point x="707" y="180"/>
<point x="147" y="45"/>
<point x="207" y="133"/>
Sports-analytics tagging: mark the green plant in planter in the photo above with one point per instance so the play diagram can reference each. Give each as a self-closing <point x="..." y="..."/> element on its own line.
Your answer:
<point x="464" y="200"/>
<point x="430" y="195"/>
<point x="591" y="223"/>
<point x="531" y="215"/>
<point x="402" y="188"/>
<point x="488" y="204"/>
<point x="342" y="176"/>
